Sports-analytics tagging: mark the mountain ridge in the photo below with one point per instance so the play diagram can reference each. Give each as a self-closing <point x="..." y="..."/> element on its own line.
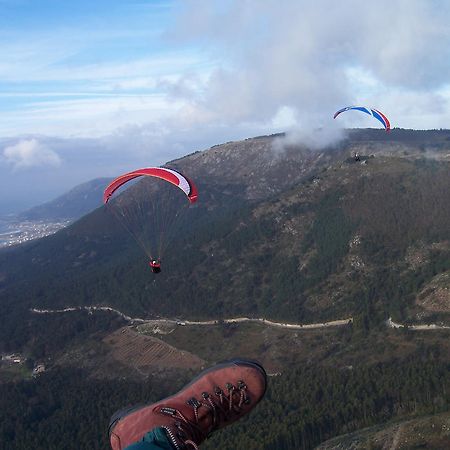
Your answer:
<point x="255" y="202"/>
<point x="71" y="205"/>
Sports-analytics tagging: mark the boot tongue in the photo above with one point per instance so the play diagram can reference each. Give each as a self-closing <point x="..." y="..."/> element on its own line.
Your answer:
<point x="206" y="419"/>
<point x="195" y="418"/>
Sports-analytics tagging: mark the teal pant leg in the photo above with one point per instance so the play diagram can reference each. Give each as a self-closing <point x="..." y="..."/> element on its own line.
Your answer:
<point x="154" y="440"/>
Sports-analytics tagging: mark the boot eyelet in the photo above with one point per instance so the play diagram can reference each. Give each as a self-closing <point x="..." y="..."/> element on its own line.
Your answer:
<point x="193" y="402"/>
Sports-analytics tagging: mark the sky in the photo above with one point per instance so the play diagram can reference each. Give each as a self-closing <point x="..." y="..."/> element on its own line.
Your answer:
<point x="93" y="89"/>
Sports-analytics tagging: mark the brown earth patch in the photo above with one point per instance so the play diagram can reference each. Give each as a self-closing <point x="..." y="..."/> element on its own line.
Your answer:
<point x="435" y="296"/>
<point x="146" y="353"/>
<point x="416" y="257"/>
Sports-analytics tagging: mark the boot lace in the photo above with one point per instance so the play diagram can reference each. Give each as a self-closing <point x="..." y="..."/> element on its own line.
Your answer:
<point x="221" y="406"/>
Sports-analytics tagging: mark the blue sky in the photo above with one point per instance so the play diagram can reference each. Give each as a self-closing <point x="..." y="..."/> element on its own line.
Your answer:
<point x="90" y="89"/>
<point x="78" y="69"/>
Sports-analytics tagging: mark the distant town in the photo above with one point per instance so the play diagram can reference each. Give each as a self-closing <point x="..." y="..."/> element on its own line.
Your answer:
<point x="15" y="233"/>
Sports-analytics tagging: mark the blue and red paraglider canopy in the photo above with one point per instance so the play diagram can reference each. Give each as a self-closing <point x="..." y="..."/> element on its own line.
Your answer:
<point x="371" y="111"/>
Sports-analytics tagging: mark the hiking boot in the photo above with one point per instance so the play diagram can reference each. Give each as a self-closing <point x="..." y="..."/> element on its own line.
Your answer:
<point x="216" y="398"/>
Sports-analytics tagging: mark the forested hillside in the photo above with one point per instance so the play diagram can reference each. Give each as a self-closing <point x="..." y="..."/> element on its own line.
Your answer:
<point x="346" y="239"/>
<point x="295" y="236"/>
<point x="303" y="406"/>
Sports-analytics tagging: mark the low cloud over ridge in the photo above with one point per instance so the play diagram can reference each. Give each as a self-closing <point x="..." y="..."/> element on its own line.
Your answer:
<point x="29" y="153"/>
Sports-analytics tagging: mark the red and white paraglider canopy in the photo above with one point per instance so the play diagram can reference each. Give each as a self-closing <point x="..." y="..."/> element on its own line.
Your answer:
<point x="169" y="175"/>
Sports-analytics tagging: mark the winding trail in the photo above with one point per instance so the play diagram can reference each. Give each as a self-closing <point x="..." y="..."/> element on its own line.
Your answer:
<point x="90" y="309"/>
<point x="432" y="326"/>
<point x="292" y="326"/>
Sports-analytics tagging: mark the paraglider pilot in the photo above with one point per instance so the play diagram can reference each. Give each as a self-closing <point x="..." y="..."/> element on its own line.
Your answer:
<point x="155" y="265"/>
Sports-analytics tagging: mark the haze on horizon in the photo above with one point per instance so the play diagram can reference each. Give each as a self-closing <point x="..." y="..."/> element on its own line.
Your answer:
<point x="89" y="90"/>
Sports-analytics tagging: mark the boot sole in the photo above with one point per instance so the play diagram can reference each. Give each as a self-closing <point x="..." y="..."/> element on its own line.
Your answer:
<point x="124" y="412"/>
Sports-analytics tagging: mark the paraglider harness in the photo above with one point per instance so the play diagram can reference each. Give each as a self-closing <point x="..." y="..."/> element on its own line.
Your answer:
<point x="155" y="265"/>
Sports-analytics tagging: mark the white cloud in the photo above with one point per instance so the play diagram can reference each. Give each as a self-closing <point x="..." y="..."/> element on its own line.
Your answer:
<point x="235" y="69"/>
<point x="93" y="116"/>
<point x="311" y="58"/>
<point x="315" y="139"/>
<point x="30" y="153"/>
<point x="227" y="70"/>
